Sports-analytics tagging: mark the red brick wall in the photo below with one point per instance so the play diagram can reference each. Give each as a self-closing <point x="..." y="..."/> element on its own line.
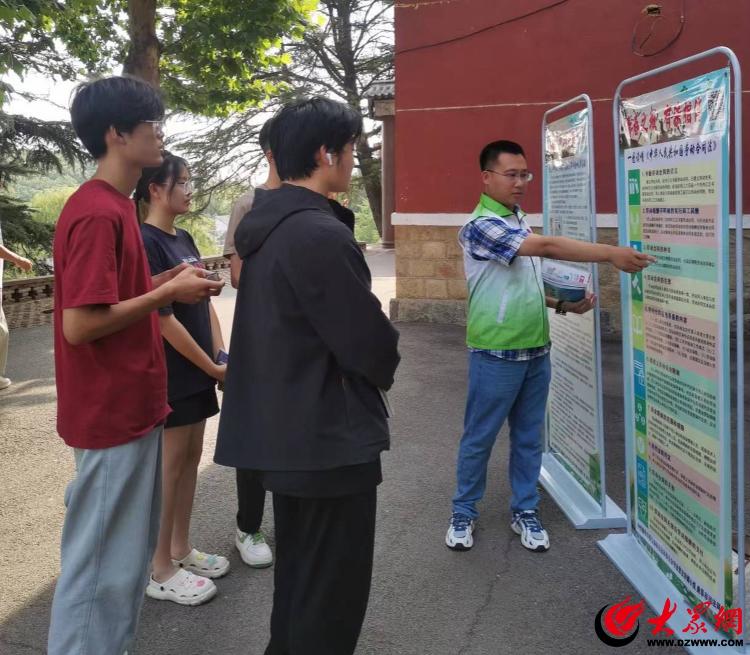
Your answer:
<point x="451" y="99"/>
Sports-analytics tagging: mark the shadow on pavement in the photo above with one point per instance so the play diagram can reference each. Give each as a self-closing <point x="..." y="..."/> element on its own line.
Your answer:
<point x="426" y="600"/>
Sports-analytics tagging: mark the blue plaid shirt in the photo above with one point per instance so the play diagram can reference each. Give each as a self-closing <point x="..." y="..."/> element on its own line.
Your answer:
<point x="494" y="239"/>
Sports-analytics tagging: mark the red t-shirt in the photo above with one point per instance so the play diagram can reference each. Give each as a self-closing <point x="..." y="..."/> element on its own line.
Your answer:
<point x="114" y="389"/>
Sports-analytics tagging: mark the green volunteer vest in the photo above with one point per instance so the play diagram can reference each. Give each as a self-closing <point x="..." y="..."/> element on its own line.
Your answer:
<point x="507" y="307"/>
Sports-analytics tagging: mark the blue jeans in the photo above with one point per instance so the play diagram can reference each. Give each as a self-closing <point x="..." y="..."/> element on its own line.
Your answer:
<point x="500" y="389"/>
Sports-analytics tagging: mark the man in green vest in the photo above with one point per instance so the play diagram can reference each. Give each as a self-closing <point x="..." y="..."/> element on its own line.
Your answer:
<point x="508" y="340"/>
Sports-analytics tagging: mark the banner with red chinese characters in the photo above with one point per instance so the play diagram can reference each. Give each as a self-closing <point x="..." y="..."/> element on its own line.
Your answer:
<point x="675" y="162"/>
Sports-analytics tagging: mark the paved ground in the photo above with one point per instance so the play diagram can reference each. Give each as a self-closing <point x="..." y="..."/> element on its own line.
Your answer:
<point x="426" y="600"/>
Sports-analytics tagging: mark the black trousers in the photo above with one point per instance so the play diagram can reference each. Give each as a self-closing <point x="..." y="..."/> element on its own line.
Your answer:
<point x="251" y="497"/>
<point x="324" y="552"/>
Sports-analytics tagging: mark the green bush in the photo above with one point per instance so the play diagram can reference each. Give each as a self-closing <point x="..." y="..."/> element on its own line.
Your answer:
<point x="48" y="204"/>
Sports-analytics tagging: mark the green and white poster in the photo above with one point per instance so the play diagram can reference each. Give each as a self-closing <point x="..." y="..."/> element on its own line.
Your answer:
<point x="674" y="160"/>
<point x="573" y="409"/>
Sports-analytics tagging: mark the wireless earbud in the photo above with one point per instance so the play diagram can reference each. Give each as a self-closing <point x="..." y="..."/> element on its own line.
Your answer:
<point x="329" y="158"/>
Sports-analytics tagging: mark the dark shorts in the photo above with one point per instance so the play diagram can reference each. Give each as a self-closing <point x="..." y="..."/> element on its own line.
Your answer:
<point x="192" y="409"/>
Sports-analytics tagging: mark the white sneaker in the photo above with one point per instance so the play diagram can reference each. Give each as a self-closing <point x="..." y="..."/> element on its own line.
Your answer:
<point x="253" y="548"/>
<point x="529" y="526"/>
<point x="460" y="530"/>
<point x="4" y="383"/>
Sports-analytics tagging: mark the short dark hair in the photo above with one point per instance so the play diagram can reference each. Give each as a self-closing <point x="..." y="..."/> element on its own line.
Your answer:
<point x="120" y="102"/>
<point x="302" y="127"/>
<point x="264" y="135"/>
<point x="493" y="150"/>
<point x="168" y="172"/>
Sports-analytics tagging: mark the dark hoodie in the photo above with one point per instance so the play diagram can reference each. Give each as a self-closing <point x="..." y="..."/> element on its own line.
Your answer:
<point x="344" y="214"/>
<point x="310" y="344"/>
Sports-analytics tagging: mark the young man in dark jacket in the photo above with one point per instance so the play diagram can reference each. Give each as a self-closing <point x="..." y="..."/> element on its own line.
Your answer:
<point x="311" y="351"/>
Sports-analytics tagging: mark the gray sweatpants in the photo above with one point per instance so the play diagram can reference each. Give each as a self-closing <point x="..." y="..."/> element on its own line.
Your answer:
<point x="110" y="532"/>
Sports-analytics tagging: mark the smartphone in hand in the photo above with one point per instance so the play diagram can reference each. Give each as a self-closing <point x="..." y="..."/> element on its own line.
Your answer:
<point x="222" y="357"/>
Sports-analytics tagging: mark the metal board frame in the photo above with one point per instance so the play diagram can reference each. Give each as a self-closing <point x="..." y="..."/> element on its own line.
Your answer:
<point x="583" y="510"/>
<point x="623" y="549"/>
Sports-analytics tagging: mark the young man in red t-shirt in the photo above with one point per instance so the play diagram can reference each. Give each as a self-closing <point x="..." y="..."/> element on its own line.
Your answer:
<point x="110" y="372"/>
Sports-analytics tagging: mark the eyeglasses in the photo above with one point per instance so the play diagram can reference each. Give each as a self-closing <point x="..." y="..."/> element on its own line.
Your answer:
<point x="187" y="186"/>
<point x="158" y="127"/>
<point x="524" y="177"/>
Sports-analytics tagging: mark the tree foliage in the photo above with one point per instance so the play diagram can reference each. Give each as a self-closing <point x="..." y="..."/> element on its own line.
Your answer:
<point x="344" y="49"/>
<point x="48" y="204"/>
<point x="29" y="145"/>
<point x="235" y="62"/>
<point x="205" y="56"/>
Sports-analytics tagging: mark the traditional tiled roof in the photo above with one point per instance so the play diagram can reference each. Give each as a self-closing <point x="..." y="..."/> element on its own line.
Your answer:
<point x="385" y="90"/>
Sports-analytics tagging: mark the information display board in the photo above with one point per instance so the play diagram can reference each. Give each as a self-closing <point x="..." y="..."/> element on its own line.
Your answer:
<point x="573" y="420"/>
<point x="573" y="471"/>
<point x="675" y="157"/>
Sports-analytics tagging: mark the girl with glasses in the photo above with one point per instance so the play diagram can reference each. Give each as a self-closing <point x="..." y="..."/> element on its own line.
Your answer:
<point x="192" y="340"/>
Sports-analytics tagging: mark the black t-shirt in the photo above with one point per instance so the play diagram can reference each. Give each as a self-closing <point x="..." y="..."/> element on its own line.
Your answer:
<point x="165" y="251"/>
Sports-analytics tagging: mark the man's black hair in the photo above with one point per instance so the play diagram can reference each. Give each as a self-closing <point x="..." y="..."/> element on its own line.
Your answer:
<point x="493" y="150"/>
<point x="168" y="173"/>
<point x="301" y="128"/>
<point x="119" y="102"/>
<point x="264" y="135"/>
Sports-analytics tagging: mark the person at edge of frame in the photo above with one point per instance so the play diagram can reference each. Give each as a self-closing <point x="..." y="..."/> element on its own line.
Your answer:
<point x="6" y="254"/>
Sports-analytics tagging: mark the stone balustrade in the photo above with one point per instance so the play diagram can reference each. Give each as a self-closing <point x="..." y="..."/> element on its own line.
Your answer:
<point x="25" y="289"/>
<point x="28" y="301"/>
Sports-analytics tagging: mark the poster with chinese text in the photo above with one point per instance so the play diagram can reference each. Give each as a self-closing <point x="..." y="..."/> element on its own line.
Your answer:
<point x="674" y="163"/>
<point x="573" y="407"/>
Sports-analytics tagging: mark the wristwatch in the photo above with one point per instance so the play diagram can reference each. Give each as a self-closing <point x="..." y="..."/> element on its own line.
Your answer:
<point x="559" y="308"/>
